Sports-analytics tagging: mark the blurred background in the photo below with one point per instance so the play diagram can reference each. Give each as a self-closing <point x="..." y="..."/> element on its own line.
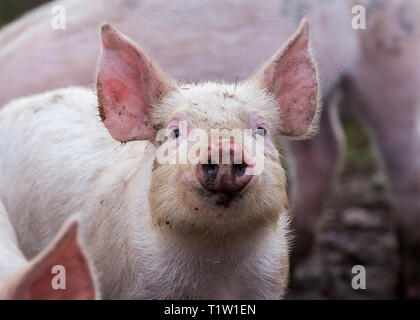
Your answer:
<point x="356" y="227"/>
<point x="12" y="9"/>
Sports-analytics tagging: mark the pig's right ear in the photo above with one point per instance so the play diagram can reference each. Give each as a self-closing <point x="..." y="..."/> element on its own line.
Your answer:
<point x="291" y="76"/>
<point x="128" y="83"/>
<point x="60" y="272"/>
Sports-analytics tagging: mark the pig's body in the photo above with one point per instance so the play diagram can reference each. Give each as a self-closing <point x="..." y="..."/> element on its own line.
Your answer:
<point x="11" y="258"/>
<point x="82" y="169"/>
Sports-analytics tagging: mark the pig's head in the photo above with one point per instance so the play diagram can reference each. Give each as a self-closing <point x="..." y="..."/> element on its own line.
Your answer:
<point x="219" y="183"/>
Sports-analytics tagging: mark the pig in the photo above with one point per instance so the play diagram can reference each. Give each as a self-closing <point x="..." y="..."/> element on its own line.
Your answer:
<point x="22" y="280"/>
<point x="156" y="230"/>
<point x="225" y="40"/>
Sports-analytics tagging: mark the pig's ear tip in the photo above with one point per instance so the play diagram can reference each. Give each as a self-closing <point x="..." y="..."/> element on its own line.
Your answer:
<point x="305" y="25"/>
<point x="106" y="29"/>
<point x="109" y="34"/>
<point x="72" y="226"/>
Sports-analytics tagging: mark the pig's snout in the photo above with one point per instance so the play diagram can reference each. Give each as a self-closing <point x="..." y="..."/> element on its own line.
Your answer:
<point x="229" y="174"/>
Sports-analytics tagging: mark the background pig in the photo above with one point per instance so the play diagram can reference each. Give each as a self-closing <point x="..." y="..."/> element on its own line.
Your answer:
<point x="22" y="280"/>
<point x="161" y="230"/>
<point x="231" y="37"/>
<point x="383" y="90"/>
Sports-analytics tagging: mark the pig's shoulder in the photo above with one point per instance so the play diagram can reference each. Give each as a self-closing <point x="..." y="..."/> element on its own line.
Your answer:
<point x="71" y="98"/>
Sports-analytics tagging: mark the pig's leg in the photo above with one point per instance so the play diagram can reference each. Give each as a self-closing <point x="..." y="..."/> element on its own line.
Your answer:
<point x="314" y="164"/>
<point x="400" y="149"/>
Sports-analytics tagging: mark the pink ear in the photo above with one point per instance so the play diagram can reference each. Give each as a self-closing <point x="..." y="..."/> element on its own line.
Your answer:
<point x="291" y="75"/>
<point x="128" y="83"/>
<point x="36" y="280"/>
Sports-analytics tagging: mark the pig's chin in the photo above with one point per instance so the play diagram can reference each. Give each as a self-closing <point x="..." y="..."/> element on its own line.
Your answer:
<point x="218" y="200"/>
<point x="223" y="199"/>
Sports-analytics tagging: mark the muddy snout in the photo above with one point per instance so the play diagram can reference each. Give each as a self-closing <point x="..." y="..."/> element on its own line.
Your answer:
<point x="226" y="169"/>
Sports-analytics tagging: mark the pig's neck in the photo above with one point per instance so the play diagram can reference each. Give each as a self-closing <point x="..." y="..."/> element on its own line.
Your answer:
<point x="181" y="265"/>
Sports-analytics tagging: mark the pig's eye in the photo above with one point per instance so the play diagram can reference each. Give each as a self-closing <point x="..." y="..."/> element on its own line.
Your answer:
<point x="261" y="131"/>
<point x="175" y="133"/>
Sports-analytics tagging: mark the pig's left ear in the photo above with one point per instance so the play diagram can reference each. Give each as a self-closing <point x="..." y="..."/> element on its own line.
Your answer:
<point x="128" y="83"/>
<point x="63" y="260"/>
<point x="291" y="76"/>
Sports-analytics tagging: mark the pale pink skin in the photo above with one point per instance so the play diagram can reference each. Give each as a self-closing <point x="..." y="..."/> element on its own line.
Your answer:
<point x="227" y="40"/>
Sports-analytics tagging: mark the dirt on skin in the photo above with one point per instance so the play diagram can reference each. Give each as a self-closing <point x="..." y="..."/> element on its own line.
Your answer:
<point x="357" y="228"/>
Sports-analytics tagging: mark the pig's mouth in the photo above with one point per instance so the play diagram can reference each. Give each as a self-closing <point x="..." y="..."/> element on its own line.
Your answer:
<point x="219" y="198"/>
<point x="221" y="184"/>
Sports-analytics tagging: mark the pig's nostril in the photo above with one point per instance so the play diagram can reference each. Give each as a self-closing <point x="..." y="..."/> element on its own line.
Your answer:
<point x="226" y="179"/>
<point x="210" y="170"/>
<point x="238" y="170"/>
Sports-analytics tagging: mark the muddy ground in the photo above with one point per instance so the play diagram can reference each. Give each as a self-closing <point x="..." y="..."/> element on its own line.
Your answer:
<point x="356" y="228"/>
